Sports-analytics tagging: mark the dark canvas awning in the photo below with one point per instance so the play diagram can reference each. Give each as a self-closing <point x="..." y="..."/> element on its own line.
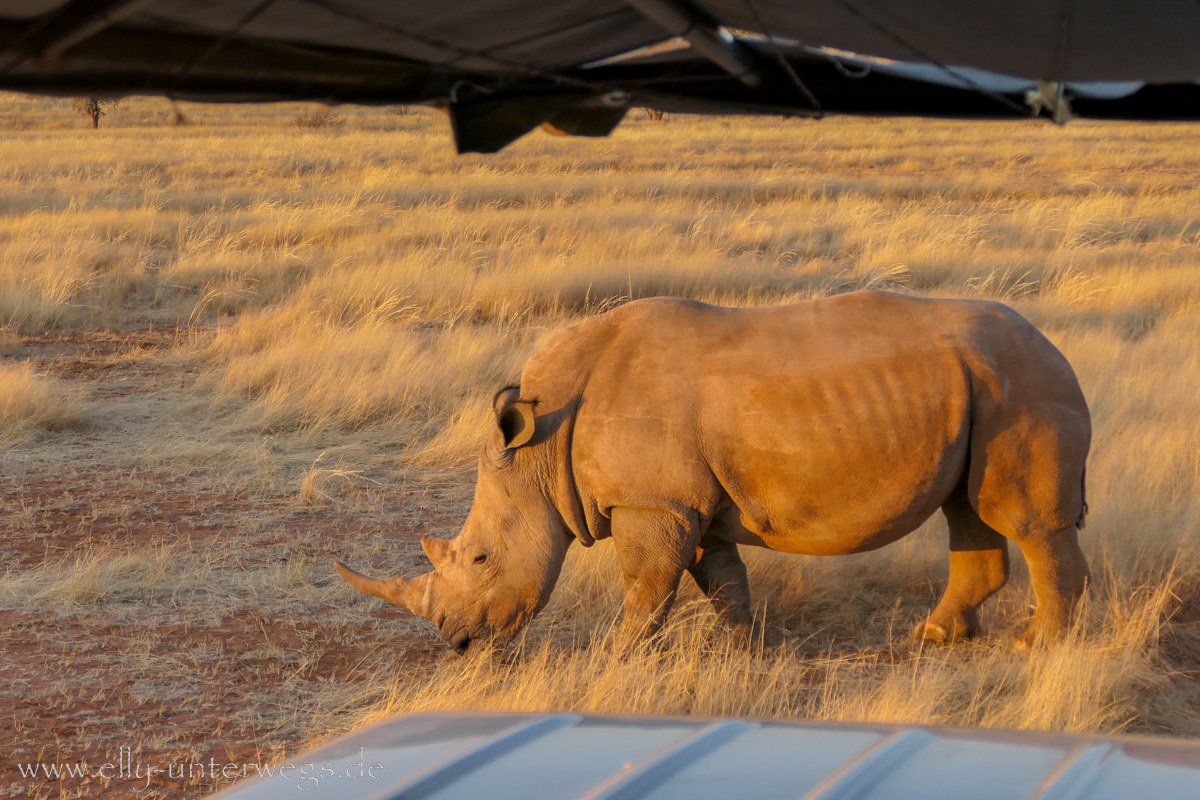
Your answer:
<point x="502" y="67"/>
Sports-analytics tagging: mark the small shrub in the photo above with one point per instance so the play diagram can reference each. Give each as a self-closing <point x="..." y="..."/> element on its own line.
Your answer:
<point x="320" y="119"/>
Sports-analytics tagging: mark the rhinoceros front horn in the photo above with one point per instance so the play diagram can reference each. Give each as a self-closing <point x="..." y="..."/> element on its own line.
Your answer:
<point x="412" y="594"/>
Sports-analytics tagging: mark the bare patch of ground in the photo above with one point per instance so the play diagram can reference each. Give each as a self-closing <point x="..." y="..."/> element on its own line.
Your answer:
<point x="185" y="678"/>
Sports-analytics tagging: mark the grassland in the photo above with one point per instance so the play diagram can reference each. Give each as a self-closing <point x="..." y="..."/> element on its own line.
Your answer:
<point x="235" y="349"/>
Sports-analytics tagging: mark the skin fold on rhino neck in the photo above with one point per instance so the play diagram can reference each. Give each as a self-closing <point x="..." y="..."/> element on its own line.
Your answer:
<point x="549" y="466"/>
<point x="522" y="511"/>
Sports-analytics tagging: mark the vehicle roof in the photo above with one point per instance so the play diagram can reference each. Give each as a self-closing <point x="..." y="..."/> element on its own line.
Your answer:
<point x="558" y="756"/>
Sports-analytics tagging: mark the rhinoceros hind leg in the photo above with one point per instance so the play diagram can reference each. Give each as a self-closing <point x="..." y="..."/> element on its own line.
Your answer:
<point x="721" y="574"/>
<point x="978" y="567"/>
<point x="1026" y="479"/>
<point x="1059" y="573"/>
<point x="654" y="548"/>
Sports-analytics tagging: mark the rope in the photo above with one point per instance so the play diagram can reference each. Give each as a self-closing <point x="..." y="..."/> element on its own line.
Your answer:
<point x="224" y="39"/>
<point x="864" y="69"/>
<point x="787" y="67"/>
<point x="533" y="37"/>
<point x="1063" y="39"/>
<point x="999" y="98"/>
<point x="341" y="10"/>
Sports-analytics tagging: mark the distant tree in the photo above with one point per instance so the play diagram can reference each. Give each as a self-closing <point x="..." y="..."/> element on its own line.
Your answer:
<point x="94" y="107"/>
<point x="653" y="113"/>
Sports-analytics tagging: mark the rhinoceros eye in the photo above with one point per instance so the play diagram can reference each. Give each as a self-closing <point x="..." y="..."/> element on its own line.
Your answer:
<point x="481" y="558"/>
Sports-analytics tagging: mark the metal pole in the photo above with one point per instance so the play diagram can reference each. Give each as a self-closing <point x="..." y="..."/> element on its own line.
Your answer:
<point x="705" y="35"/>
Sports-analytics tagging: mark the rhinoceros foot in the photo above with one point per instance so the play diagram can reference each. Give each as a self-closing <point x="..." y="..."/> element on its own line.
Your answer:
<point x="946" y="632"/>
<point x="1038" y="637"/>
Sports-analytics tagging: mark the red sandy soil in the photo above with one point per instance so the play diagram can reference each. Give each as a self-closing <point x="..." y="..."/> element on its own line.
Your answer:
<point x="174" y="684"/>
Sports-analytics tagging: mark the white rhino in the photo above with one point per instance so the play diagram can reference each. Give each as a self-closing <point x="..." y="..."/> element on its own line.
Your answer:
<point x="683" y="430"/>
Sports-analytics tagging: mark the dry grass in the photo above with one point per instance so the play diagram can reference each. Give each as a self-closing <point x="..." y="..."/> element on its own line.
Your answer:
<point x="31" y="404"/>
<point x="10" y="343"/>
<point x="351" y="298"/>
<point x="1106" y="677"/>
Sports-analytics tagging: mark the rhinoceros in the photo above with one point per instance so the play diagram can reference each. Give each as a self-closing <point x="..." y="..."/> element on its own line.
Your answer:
<point x="683" y="430"/>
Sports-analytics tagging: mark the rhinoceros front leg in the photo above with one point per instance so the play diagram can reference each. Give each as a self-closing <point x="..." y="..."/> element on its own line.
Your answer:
<point x="721" y="574"/>
<point x="654" y="548"/>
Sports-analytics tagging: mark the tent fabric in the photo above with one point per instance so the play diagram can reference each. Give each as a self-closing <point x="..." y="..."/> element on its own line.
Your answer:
<point x="1066" y="40"/>
<point x="504" y="65"/>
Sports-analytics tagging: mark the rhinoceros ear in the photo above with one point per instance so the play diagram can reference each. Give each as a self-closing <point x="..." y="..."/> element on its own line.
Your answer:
<point x="514" y="417"/>
<point x="436" y="550"/>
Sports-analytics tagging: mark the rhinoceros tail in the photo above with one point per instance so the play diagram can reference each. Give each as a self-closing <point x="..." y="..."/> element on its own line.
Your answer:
<point x="1082" y="521"/>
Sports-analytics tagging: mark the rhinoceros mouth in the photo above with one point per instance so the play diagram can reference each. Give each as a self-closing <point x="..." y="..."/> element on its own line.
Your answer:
<point x="460" y="641"/>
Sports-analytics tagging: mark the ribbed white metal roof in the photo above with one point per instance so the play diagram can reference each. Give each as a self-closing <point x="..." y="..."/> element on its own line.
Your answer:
<point x="455" y="756"/>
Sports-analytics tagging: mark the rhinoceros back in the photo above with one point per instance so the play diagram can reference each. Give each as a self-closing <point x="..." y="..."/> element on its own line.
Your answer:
<point x="824" y="427"/>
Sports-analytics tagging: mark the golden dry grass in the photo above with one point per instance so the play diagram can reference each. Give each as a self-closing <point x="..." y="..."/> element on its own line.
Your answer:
<point x="349" y="299"/>
<point x="32" y="404"/>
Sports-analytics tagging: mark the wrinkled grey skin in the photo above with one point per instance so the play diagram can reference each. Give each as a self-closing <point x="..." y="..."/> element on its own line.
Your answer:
<point x="683" y="430"/>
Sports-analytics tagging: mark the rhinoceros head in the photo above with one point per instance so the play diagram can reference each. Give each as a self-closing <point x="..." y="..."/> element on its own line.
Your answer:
<point x="499" y="572"/>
